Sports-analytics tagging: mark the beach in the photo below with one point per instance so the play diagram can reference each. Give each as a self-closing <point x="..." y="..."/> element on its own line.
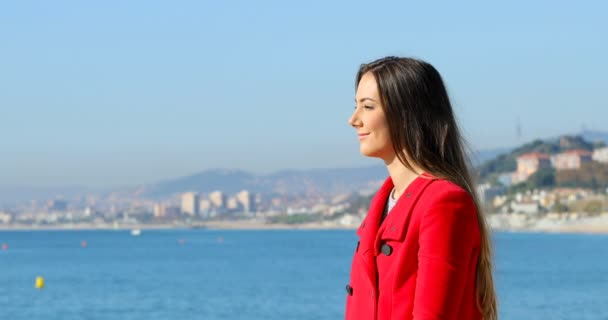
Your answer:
<point x="552" y="223"/>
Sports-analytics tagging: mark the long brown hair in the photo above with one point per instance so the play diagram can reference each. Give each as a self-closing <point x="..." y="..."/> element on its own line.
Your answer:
<point x="423" y="129"/>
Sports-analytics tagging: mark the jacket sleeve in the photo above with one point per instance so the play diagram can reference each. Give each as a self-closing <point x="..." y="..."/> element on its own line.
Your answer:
<point x="448" y="234"/>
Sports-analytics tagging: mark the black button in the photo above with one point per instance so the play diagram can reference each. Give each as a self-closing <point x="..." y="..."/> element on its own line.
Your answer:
<point x="386" y="249"/>
<point x="357" y="250"/>
<point x="349" y="290"/>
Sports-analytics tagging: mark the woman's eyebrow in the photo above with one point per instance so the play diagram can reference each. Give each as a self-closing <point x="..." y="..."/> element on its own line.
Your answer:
<point x="366" y="98"/>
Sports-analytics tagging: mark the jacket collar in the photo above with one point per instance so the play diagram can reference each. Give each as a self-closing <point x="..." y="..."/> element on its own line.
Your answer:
<point x="397" y="222"/>
<point x="394" y="226"/>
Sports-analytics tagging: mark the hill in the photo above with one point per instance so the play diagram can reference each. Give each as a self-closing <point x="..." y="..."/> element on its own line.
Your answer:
<point x="507" y="162"/>
<point x="313" y="181"/>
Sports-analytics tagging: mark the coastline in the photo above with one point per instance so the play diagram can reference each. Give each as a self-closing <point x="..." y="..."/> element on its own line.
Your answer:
<point x="210" y="225"/>
<point x="550" y="223"/>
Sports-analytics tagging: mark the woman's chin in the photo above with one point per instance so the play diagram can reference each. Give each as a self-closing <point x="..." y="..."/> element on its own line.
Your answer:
<point x="380" y="154"/>
<point x="369" y="153"/>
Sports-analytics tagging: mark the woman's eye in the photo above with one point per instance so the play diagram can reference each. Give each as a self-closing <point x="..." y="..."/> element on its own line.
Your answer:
<point x="368" y="107"/>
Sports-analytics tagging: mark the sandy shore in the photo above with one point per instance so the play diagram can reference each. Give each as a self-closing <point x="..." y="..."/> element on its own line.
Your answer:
<point x="551" y="223"/>
<point x="261" y="225"/>
<point x="498" y="222"/>
<point x="219" y="225"/>
<point x="86" y="227"/>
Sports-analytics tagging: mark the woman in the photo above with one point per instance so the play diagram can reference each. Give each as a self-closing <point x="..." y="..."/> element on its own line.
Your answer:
<point x="424" y="249"/>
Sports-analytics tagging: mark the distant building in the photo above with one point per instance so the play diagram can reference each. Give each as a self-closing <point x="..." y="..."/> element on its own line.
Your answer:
<point x="205" y="208"/>
<point x="5" y="217"/>
<point x="204" y="205"/>
<point x="232" y="204"/>
<point x="277" y="202"/>
<point x="527" y="207"/>
<point x="506" y="179"/>
<point x="528" y="164"/>
<point x="218" y="199"/>
<point x="572" y="159"/>
<point x="600" y="155"/>
<point x="190" y="203"/>
<point x="57" y="205"/>
<point x="487" y="192"/>
<point x="172" y="211"/>
<point x="247" y="201"/>
<point x="350" y="220"/>
<point x="89" y="211"/>
<point x="159" y="210"/>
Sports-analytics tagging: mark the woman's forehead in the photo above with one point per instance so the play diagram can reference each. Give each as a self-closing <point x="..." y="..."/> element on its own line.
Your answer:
<point x="367" y="88"/>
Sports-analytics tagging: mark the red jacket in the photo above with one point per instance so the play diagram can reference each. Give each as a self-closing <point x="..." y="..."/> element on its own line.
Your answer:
<point x="420" y="263"/>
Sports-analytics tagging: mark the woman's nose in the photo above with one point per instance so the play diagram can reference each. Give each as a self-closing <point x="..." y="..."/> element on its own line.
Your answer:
<point x="353" y="120"/>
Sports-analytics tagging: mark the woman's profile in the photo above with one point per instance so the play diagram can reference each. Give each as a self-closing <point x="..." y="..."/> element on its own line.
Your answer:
<point x="424" y="250"/>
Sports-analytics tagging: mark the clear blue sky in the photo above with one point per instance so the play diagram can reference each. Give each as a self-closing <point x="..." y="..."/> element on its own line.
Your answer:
<point x="104" y="93"/>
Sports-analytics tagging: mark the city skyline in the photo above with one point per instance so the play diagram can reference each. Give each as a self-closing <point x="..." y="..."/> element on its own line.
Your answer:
<point x="132" y="93"/>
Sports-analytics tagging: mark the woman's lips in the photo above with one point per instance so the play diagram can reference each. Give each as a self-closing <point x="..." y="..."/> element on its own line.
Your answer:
<point x="363" y="135"/>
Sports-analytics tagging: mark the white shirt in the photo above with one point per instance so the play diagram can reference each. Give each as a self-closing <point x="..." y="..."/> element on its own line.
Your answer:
<point x="390" y="203"/>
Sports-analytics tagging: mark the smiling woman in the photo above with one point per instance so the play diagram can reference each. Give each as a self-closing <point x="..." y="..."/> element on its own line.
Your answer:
<point x="370" y="120"/>
<point x="424" y="249"/>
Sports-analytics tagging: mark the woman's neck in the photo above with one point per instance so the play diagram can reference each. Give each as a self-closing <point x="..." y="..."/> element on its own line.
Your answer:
<point x="401" y="175"/>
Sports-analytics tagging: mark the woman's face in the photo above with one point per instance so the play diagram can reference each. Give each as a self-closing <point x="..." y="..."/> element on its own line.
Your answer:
<point x="370" y="121"/>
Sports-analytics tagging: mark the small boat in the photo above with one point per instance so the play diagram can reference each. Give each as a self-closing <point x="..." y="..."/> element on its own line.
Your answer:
<point x="135" y="232"/>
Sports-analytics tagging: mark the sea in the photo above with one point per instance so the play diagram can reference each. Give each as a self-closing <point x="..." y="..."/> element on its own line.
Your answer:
<point x="263" y="274"/>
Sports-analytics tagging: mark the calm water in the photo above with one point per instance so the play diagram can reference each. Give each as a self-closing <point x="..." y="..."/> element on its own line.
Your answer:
<point x="203" y="274"/>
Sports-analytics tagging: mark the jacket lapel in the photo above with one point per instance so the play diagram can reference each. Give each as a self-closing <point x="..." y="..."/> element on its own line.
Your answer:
<point x="369" y="229"/>
<point x="396" y="223"/>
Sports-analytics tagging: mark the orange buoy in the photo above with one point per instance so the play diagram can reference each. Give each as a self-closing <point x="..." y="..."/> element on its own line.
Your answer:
<point x="83" y="244"/>
<point x="4" y="246"/>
